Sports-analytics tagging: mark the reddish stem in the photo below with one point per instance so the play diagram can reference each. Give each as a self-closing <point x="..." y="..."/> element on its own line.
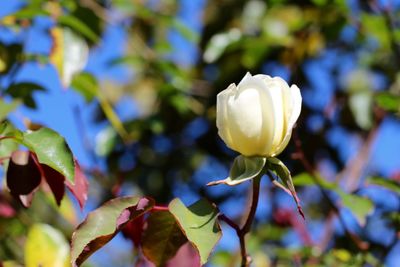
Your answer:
<point x="242" y="231"/>
<point x="160" y="208"/>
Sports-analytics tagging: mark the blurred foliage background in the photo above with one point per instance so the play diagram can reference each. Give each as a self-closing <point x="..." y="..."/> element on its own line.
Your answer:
<point x="143" y="118"/>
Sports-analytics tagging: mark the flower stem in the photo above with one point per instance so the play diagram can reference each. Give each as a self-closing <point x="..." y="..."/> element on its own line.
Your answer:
<point x="242" y="231"/>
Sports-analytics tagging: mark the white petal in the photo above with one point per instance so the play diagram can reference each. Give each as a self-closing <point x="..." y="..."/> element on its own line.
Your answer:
<point x="222" y="104"/>
<point x="245" y="120"/>
<point x="295" y="104"/>
<point x="293" y="107"/>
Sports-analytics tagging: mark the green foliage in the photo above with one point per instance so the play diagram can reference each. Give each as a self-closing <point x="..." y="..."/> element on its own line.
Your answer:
<point x="199" y="224"/>
<point x="52" y="150"/>
<point x="24" y="91"/>
<point x="360" y="206"/>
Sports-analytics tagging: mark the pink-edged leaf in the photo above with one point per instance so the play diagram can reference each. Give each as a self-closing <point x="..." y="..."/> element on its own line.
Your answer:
<point x="283" y="173"/>
<point x="199" y="224"/>
<point x="80" y="188"/>
<point x="23" y="176"/>
<point x="55" y="180"/>
<point x="162" y="238"/>
<point x="102" y="224"/>
<point x="187" y="255"/>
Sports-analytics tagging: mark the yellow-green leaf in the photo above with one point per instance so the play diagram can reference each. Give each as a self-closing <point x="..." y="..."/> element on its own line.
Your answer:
<point x="46" y="247"/>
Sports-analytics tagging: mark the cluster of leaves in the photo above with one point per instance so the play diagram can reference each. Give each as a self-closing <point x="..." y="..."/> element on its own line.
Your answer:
<point x="174" y="135"/>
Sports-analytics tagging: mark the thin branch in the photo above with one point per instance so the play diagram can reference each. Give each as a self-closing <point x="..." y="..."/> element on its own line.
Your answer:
<point x="299" y="155"/>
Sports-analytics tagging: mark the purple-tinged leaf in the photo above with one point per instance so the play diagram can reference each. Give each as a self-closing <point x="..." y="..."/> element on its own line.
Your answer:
<point x="102" y="224"/>
<point x="23" y="176"/>
<point x="187" y="255"/>
<point x="55" y="180"/>
<point x="162" y="238"/>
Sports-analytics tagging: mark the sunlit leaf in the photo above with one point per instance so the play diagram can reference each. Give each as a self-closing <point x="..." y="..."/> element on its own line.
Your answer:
<point x="46" y="247"/>
<point x="7" y="107"/>
<point x="388" y="101"/>
<point x="52" y="150"/>
<point x="162" y="237"/>
<point x="102" y="224"/>
<point x="375" y="26"/>
<point x="69" y="53"/>
<point x="7" y="146"/>
<point x="386" y="183"/>
<point x="243" y="169"/>
<point x="199" y="224"/>
<point x="78" y="26"/>
<point x="86" y="85"/>
<point x="359" y="206"/>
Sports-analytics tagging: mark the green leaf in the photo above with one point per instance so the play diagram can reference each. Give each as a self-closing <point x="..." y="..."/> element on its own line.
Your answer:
<point x="85" y="84"/>
<point x="102" y="224"/>
<point x="199" y="224"/>
<point x="78" y="26"/>
<point x="386" y="183"/>
<point x="46" y="246"/>
<point x="7" y="146"/>
<point x="305" y="179"/>
<point x="277" y="166"/>
<point x="24" y="91"/>
<point x="243" y="169"/>
<point x="30" y="13"/>
<point x="359" y="206"/>
<point x="52" y="150"/>
<point x="375" y="26"/>
<point x="388" y="101"/>
<point x="6" y="108"/>
<point x="185" y="31"/>
<point x="162" y="238"/>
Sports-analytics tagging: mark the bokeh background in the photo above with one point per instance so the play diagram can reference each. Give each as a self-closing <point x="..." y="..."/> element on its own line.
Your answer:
<point x="132" y="84"/>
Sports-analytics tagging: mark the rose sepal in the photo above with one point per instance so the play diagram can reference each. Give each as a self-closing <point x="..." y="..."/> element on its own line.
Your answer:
<point x="282" y="172"/>
<point x="243" y="169"/>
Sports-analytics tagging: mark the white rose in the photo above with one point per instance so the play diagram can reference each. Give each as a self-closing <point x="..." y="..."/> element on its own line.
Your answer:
<point x="256" y="117"/>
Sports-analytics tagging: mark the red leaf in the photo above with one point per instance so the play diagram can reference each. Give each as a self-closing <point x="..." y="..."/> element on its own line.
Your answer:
<point x="55" y="180"/>
<point x="134" y="230"/>
<point x="80" y="188"/>
<point x="23" y="176"/>
<point x="102" y="224"/>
